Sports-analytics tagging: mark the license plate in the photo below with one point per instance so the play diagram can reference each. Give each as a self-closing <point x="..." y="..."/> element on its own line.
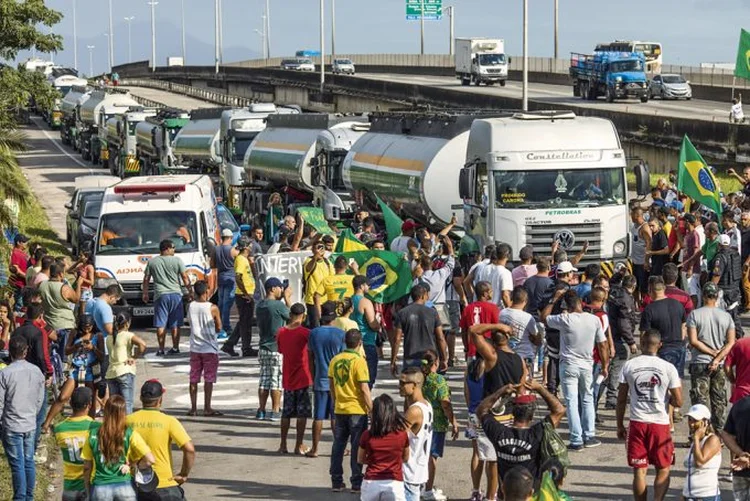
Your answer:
<point x="143" y="311"/>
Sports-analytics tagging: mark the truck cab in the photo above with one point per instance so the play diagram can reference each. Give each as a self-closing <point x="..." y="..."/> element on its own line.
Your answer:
<point x="614" y="75"/>
<point x="154" y="139"/>
<point x="69" y="109"/>
<point x="136" y="215"/>
<point x="481" y="60"/>
<point x="536" y="178"/>
<point x="122" y="159"/>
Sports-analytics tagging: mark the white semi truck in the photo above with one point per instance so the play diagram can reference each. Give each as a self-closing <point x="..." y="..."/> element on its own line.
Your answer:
<point x="533" y="178"/>
<point x="69" y="108"/>
<point x="93" y="114"/>
<point x="196" y="146"/>
<point x="302" y="156"/>
<point x="481" y="60"/>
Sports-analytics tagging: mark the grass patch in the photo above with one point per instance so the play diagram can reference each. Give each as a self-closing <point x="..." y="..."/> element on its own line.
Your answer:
<point x="34" y="223"/>
<point x="728" y="183"/>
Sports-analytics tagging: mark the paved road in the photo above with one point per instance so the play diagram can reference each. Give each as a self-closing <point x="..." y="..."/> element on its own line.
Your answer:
<point x="562" y="94"/>
<point x="169" y="99"/>
<point x="236" y="454"/>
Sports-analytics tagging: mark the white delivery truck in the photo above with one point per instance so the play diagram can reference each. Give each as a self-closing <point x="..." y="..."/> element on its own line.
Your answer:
<point x="533" y="178"/>
<point x="481" y="60"/>
<point x="138" y="213"/>
<point x="175" y="61"/>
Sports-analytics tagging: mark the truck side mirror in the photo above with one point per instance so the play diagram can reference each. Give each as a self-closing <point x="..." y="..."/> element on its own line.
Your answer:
<point x="474" y="61"/>
<point x="87" y="246"/>
<point x="642" y="179"/>
<point x="466" y="183"/>
<point x="510" y="60"/>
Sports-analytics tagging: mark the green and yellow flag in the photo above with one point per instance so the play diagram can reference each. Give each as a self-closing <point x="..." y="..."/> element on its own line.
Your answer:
<point x="392" y="221"/>
<point x="742" y="66"/>
<point x="347" y="242"/>
<point x="389" y="274"/>
<point x="694" y="178"/>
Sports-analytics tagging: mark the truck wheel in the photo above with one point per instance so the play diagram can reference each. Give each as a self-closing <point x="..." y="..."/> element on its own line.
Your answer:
<point x="465" y="82"/>
<point x="644" y="98"/>
<point x="609" y="95"/>
<point x="490" y="83"/>
<point x="592" y="93"/>
<point x="585" y="91"/>
<point x="502" y="83"/>
<point x="84" y="155"/>
<point x="576" y="91"/>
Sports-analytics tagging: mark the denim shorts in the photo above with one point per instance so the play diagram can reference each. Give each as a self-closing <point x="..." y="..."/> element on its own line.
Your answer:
<point x="113" y="492"/>
<point x="323" y="405"/>
<point x="438" y="444"/>
<point x="168" y="311"/>
<point x="675" y="356"/>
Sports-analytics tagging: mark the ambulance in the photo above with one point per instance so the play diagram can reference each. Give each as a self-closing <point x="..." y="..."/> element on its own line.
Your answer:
<point x="137" y="214"/>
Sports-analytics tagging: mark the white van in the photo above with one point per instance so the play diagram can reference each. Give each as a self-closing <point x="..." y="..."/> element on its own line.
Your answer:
<point x="140" y="212"/>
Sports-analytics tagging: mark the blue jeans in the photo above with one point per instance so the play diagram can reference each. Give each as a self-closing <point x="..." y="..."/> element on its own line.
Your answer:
<point x="412" y="491"/>
<point x="113" y="492"/>
<point x="124" y="386"/>
<point x="40" y="417"/>
<point x="576" y="384"/>
<point x="19" y="449"/>
<point x="226" y="300"/>
<point x="348" y="427"/>
<point x="371" y="353"/>
<point x="675" y="356"/>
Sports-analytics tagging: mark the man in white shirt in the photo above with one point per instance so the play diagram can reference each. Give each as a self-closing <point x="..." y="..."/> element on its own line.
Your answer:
<point x="580" y="332"/>
<point x="471" y="281"/>
<point x="498" y="276"/>
<point x="650" y="382"/>
<point x="736" y="115"/>
<point x="400" y="244"/>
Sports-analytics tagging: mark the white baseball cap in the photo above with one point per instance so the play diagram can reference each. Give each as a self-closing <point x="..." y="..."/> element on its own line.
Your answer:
<point x="724" y="240"/>
<point x="699" y="412"/>
<point x="566" y="267"/>
<point x="226" y="233"/>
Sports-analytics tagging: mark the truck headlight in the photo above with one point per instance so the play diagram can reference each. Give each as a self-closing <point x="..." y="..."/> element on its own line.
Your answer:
<point x="619" y="248"/>
<point x="103" y="283"/>
<point x="193" y="277"/>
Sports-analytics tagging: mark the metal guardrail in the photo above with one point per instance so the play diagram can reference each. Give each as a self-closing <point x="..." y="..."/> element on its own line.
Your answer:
<point x="208" y="95"/>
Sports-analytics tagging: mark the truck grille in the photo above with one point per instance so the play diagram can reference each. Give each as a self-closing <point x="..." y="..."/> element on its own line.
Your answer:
<point x="541" y="236"/>
<point x="135" y="288"/>
<point x="634" y="85"/>
<point x="494" y="71"/>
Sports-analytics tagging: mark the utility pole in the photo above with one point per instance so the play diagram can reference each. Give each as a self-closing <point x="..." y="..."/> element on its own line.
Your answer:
<point x="153" y="4"/>
<point x="421" y="27"/>
<point x="216" y="35"/>
<point x="322" y="47"/>
<point x="75" y="38"/>
<point x="525" y="91"/>
<point x="184" y="56"/>
<point x="451" y="13"/>
<point x="111" y="39"/>
<point x="268" y="29"/>
<point x="130" y="52"/>
<point x="333" y="30"/>
<point x="556" y="29"/>
<point x="91" y="59"/>
<point x="262" y="34"/>
<point x="221" y="32"/>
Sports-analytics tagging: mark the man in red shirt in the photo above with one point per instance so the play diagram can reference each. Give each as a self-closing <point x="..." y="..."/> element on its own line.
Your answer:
<point x="19" y="262"/>
<point x="296" y="378"/>
<point x="671" y="273"/>
<point x="737" y="369"/>
<point x="482" y="311"/>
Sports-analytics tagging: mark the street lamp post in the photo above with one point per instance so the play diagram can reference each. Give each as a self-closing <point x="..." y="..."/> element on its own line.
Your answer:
<point x="128" y="20"/>
<point x="451" y="13"/>
<point x="268" y="29"/>
<point x="153" y="5"/>
<point x="262" y="35"/>
<point x="322" y="48"/>
<point x="421" y="27"/>
<point x="75" y="38"/>
<point x="109" y="56"/>
<point x="184" y="56"/>
<point x="216" y="35"/>
<point x="91" y="59"/>
<point x="221" y="32"/>
<point x="111" y="39"/>
<point x="556" y="28"/>
<point x="525" y="91"/>
<point x="333" y="30"/>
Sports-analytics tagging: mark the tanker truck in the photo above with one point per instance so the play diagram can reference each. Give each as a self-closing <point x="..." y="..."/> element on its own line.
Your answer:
<point x="98" y="107"/>
<point x="302" y="156"/>
<point x="239" y="127"/>
<point x="196" y="146"/>
<point x="120" y="142"/>
<point x="154" y="138"/>
<point x="69" y="108"/>
<point x="61" y="84"/>
<point x="536" y="178"/>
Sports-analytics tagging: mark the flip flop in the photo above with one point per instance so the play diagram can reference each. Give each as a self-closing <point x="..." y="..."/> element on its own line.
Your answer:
<point x="213" y="413"/>
<point x="310" y="454"/>
<point x="191" y="413"/>
<point x="302" y="452"/>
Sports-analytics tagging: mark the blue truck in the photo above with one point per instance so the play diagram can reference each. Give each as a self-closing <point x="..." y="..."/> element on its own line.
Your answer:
<point x="614" y="75"/>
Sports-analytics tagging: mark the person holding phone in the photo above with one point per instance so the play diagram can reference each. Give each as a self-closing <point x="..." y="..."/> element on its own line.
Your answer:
<point x="703" y="460"/>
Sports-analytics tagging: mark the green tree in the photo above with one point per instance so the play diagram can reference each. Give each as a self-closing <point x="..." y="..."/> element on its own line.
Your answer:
<point x="19" y="20"/>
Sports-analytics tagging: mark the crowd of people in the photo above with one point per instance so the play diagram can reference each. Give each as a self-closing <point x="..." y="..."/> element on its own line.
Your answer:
<point x="540" y="330"/>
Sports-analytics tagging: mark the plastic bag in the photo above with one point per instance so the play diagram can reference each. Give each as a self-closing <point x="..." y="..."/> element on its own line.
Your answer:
<point x="553" y="446"/>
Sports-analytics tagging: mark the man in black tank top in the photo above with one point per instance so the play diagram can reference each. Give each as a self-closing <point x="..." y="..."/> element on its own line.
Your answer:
<point x="502" y="365"/>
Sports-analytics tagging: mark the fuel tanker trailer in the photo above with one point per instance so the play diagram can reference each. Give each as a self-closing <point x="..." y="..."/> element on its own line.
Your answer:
<point x="302" y="155"/>
<point x="154" y="138"/>
<point x="69" y="108"/>
<point x="196" y="146"/>
<point x="90" y="118"/>
<point x="411" y="160"/>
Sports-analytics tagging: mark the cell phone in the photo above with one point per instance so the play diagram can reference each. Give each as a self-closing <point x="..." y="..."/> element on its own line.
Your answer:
<point x="101" y="389"/>
<point x="285" y="283"/>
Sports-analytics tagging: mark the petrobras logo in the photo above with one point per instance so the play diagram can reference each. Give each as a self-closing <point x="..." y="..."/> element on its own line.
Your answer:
<point x="564" y="156"/>
<point x="562" y="212"/>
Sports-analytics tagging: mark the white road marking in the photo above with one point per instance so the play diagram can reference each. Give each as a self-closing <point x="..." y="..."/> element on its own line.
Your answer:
<point x="57" y="144"/>
<point x="217" y="401"/>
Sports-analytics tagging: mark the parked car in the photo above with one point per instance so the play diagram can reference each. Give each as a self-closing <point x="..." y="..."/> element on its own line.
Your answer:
<point x="289" y="64"/>
<point x="84" y="187"/>
<point x="345" y="66"/>
<point x="83" y="218"/>
<point x="298" y="64"/>
<point x="670" y="86"/>
<point x="227" y="221"/>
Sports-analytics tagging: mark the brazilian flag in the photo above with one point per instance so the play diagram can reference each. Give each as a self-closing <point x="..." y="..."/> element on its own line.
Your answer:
<point x="548" y="491"/>
<point x="389" y="274"/>
<point x="694" y="178"/>
<point x="348" y="242"/>
<point x="742" y="66"/>
<point x="392" y="221"/>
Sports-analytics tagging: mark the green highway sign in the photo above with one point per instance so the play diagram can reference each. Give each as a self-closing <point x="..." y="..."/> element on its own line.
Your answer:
<point x="433" y="10"/>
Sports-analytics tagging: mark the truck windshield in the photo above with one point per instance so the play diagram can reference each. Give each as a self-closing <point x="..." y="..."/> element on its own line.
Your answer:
<point x="491" y="59"/>
<point x="559" y="188"/>
<point x="140" y="232"/>
<point x="620" y="66"/>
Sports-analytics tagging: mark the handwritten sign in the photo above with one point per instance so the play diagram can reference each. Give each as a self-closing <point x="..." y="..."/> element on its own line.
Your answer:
<point x="284" y="266"/>
<point x="315" y="217"/>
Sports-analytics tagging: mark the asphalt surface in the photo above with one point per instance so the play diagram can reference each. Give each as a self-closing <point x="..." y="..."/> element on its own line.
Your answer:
<point x="563" y="94"/>
<point x="236" y="454"/>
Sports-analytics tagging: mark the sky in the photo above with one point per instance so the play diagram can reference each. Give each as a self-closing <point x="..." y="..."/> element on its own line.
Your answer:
<point x="691" y="31"/>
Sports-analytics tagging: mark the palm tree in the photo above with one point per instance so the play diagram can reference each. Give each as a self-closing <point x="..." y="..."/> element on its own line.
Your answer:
<point x="12" y="184"/>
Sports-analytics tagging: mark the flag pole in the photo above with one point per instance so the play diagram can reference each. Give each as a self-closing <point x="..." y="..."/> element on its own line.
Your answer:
<point x="734" y="80"/>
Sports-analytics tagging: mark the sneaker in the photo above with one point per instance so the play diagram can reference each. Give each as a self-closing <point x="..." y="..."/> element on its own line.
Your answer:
<point x="260" y="414"/>
<point x="250" y="353"/>
<point x="339" y="487"/>
<point x="599" y="433"/>
<point x="222" y="336"/>
<point x="476" y="496"/>
<point x="173" y="351"/>
<point x="356" y="490"/>
<point x="576" y="447"/>
<point x="229" y="350"/>
<point x="592" y="443"/>
<point x="434" y="495"/>
<point x="274" y="417"/>
<point x="160" y="353"/>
